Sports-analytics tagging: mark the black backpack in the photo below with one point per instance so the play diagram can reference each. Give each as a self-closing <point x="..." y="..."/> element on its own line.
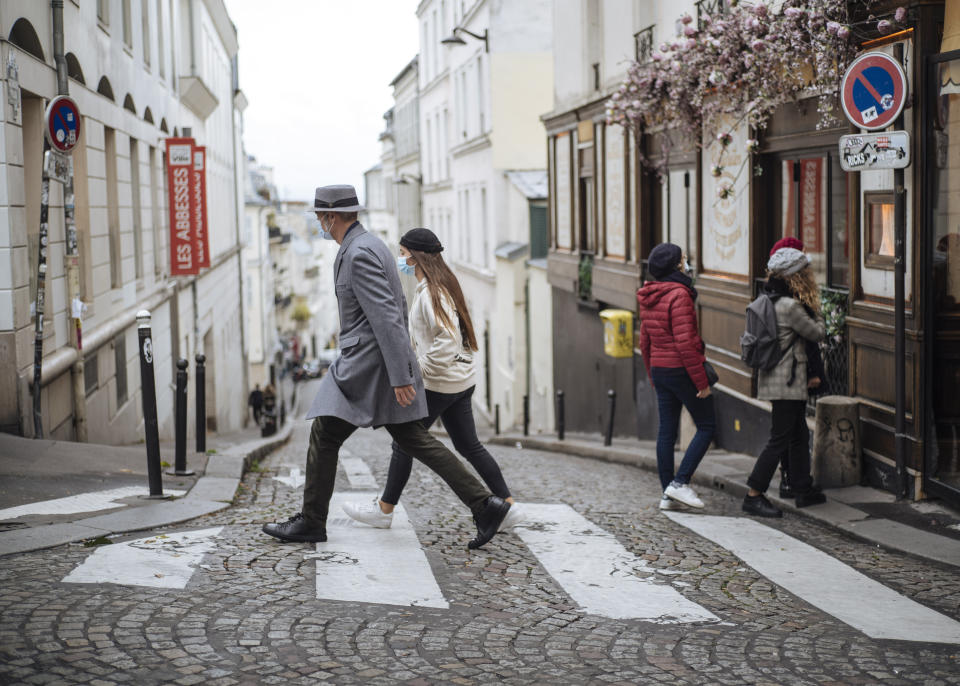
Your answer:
<point x="759" y="344"/>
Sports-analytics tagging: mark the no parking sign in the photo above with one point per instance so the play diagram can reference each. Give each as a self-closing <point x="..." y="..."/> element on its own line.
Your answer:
<point x="62" y="124"/>
<point x="873" y="91"/>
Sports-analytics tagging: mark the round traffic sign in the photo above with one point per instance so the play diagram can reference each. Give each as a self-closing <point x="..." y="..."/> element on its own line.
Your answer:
<point x="873" y="91"/>
<point x="62" y="124"/>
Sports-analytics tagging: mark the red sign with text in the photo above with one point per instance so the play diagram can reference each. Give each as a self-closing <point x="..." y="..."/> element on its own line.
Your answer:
<point x="198" y="190"/>
<point x="183" y="257"/>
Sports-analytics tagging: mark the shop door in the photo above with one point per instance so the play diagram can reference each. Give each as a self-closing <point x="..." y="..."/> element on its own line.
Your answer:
<point x="942" y="288"/>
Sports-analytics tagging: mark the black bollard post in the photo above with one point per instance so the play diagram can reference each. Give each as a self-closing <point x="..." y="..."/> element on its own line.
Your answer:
<point x="148" y="395"/>
<point x="612" y="402"/>
<point x="560" y="425"/>
<point x="180" y="422"/>
<point x="496" y="419"/>
<point x="201" y="397"/>
<point x="526" y="415"/>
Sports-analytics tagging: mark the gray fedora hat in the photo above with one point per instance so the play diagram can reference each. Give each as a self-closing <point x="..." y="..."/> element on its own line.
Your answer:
<point x="336" y="199"/>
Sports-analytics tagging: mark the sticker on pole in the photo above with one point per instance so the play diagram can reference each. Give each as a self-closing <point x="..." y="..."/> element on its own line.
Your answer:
<point x="62" y="124"/>
<point x="873" y="91"/>
<point x="885" y="150"/>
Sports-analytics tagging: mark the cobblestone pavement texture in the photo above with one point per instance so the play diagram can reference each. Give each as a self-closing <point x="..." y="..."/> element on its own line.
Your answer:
<point x="250" y="613"/>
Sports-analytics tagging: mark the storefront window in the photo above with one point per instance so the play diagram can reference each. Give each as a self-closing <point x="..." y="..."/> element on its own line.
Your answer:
<point x="878" y="218"/>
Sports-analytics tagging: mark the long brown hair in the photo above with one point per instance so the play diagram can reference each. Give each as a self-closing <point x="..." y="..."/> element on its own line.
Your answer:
<point x="441" y="281"/>
<point x="803" y="286"/>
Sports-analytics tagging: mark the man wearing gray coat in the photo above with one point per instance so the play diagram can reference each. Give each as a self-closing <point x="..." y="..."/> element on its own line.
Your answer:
<point x="376" y="380"/>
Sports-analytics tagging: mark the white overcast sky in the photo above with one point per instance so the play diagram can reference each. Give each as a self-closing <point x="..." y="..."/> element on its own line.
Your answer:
<point x="317" y="76"/>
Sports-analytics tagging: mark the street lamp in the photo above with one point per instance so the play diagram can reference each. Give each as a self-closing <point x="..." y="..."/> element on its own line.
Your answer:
<point x="454" y="39"/>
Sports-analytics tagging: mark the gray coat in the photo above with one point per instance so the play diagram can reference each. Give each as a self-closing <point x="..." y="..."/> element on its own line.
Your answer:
<point x="376" y="354"/>
<point x="793" y="326"/>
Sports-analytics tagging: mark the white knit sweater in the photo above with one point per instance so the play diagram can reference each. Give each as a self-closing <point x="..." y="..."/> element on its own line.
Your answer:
<point x="447" y="364"/>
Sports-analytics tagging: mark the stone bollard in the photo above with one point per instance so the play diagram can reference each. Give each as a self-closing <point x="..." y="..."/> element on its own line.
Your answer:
<point x="836" y="442"/>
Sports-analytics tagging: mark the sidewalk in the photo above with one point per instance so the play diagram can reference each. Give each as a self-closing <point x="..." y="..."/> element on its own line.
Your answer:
<point x="77" y="475"/>
<point x="927" y="530"/>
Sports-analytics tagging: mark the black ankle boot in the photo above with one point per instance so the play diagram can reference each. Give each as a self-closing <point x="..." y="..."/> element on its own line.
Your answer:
<point x="812" y="497"/>
<point x="786" y="490"/>
<point x="488" y="520"/>
<point x="761" y="507"/>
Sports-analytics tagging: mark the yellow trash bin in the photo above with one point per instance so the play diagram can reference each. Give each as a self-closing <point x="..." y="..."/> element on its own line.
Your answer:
<point x="617" y="332"/>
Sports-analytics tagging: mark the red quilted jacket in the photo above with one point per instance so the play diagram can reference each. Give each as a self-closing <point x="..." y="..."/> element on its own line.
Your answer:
<point x="668" y="330"/>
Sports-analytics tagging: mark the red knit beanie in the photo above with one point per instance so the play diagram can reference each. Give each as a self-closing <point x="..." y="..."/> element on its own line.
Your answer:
<point x="788" y="242"/>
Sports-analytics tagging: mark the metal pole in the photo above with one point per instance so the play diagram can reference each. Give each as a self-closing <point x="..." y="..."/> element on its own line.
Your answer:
<point x="612" y="403"/>
<point x="201" y="400"/>
<point x="148" y="394"/>
<point x="496" y="419"/>
<point x="560" y="418"/>
<point x="526" y="415"/>
<point x="180" y="418"/>
<point x="41" y="295"/>
<point x="900" y="231"/>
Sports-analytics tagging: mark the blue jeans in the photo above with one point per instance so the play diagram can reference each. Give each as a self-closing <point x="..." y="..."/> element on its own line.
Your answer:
<point x="675" y="391"/>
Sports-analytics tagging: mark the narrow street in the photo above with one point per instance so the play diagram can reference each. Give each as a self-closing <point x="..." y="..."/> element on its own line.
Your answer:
<point x="218" y="602"/>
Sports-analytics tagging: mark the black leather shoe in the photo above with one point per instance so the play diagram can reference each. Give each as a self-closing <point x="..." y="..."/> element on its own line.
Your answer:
<point x="786" y="490"/>
<point x="296" y="529"/>
<point x="761" y="507"/>
<point x="488" y="520"/>
<point x="812" y="497"/>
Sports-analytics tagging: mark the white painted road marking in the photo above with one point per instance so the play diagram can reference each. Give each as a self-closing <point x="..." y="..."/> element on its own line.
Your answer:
<point x="358" y="473"/>
<point x="597" y="572"/>
<point x="362" y="564"/>
<point x="164" y="561"/>
<point x="84" y="502"/>
<point x="824" y="582"/>
<point x="295" y="480"/>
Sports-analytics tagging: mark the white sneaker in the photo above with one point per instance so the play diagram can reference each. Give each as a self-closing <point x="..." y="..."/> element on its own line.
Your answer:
<point x="514" y="516"/>
<point x="369" y="513"/>
<point x="667" y="504"/>
<point x="683" y="493"/>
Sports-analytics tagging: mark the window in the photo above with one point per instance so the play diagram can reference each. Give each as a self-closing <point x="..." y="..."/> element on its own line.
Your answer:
<point x="32" y="131"/>
<point x="538" y="231"/>
<point x="155" y="212"/>
<point x="485" y="228"/>
<point x="480" y="98"/>
<point x="91" y="374"/>
<point x="135" y="207"/>
<point x="113" y="209"/>
<point x="145" y="20"/>
<point x="878" y="221"/>
<point x="161" y="58"/>
<point x="103" y="12"/>
<point x="127" y="27"/>
<point x="120" y="359"/>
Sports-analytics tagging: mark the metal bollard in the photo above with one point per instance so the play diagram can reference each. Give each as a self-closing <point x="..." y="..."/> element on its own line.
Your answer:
<point x="612" y="402"/>
<point x="526" y="415"/>
<point x="560" y="424"/>
<point x="148" y="394"/>
<point x="201" y="403"/>
<point x="180" y="421"/>
<point x="496" y="419"/>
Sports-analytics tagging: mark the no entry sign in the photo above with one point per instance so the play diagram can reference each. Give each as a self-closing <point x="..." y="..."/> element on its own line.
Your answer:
<point x="62" y="121"/>
<point x="873" y="91"/>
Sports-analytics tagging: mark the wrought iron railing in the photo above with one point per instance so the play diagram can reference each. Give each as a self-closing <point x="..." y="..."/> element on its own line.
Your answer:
<point x="834" y="348"/>
<point x="585" y="277"/>
<point x="643" y="44"/>
<point x="711" y="8"/>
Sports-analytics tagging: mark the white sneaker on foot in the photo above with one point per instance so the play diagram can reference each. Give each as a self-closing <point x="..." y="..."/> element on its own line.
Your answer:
<point x="683" y="493"/>
<point x="514" y="516"/>
<point x="369" y="513"/>
<point x="666" y="503"/>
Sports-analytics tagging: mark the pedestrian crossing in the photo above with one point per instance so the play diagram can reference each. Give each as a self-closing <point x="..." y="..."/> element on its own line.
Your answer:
<point x="83" y="502"/>
<point x="589" y="565"/>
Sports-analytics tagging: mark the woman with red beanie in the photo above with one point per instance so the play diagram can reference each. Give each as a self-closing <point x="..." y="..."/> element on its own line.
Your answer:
<point x="673" y="355"/>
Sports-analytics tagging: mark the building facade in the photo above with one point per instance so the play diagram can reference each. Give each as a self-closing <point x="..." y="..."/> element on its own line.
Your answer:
<point x="140" y="71"/>
<point x="607" y="211"/>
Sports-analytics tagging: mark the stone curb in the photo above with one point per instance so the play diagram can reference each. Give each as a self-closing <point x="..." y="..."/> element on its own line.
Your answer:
<point x="728" y="472"/>
<point x="212" y="492"/>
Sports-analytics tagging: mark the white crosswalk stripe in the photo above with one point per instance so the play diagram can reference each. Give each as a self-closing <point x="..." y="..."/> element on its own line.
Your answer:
<point x="358" y="473"/>
<point x="598" y="572"/>
<point x="84" y="502"/>
<point x="823" y="581"/>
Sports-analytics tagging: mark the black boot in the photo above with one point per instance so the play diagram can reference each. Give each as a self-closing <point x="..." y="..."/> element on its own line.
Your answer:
<point x="488" y="520"/>
<point x="786" y="490"/>
<point x="296" y="529"/>
<point x="761" y="507"/>
<point x="814" y="496"/>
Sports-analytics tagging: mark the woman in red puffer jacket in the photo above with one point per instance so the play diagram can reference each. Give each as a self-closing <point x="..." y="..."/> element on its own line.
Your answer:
<point x="673" y="355"/>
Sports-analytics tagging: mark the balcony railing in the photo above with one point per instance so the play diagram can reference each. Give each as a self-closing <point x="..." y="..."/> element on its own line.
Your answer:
<point x="711" y="8"/>
<point x="643" y="44"/>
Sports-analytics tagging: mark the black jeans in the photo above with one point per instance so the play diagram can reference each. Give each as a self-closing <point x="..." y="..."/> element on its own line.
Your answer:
<point x="788" y="434"/>
<point x="327" y="435"/>
<point x="456" y="411"/>
<point x="675" y="391"/>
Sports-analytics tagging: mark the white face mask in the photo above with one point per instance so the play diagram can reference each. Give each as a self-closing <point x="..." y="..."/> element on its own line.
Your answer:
<point x="686" y="267"/>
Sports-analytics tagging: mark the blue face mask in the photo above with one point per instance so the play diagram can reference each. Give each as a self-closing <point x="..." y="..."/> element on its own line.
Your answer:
<point x="405" y="268"/>
<point x="324" y="233"/>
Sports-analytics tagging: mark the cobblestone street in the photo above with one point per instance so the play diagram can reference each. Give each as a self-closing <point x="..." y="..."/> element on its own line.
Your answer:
<point x="250" y="613"/>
